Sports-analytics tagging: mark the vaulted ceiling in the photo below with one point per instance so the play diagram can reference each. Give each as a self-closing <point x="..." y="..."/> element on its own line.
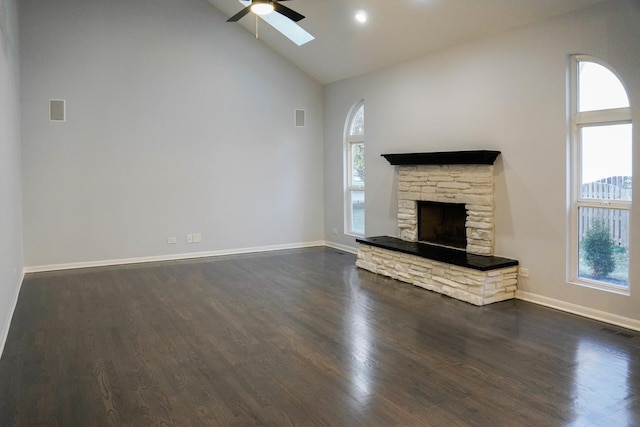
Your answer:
<point x="397" y="30"/>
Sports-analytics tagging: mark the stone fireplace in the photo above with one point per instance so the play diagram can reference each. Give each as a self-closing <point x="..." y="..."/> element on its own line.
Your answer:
<point x="445" y="201"/>
<point x="471" y="185"/>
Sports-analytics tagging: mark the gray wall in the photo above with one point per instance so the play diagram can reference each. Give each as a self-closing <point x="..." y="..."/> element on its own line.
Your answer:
<point x="177" y="122"/>
<point x="508" y="93"/>
<point x="10" y="192"/>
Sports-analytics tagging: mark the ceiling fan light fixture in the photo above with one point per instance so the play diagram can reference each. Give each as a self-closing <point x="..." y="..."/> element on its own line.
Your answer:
<point x="262" y="7"/>
<point x="361" y="16"/>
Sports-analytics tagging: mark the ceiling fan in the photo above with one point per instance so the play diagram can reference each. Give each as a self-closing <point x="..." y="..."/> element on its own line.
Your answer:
<point x="278" y="16"/>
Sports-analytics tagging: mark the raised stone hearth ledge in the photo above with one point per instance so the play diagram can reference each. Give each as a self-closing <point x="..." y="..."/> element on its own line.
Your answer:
<point x="476" y="279"/>
<point x="453" y="256"/>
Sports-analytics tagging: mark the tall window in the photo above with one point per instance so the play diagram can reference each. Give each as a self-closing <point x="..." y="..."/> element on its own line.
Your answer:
<point x="601" y="156"/>
<point x="354" y="154"/>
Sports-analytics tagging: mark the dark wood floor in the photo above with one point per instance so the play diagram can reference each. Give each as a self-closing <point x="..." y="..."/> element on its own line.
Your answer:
<point x="300" y="338"/>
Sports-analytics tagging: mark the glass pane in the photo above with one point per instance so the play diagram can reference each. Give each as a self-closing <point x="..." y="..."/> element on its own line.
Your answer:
<point x="599" y="88"/>
<point x="356" y="210"/>
<point x="357" y="126"/>
<point x="604" y="245"/>
<point x="357" y="163"/>
<point x="606" y="162"/>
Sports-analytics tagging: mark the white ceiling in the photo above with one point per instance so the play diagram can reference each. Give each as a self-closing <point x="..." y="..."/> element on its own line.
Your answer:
<point x="397" y="30"/>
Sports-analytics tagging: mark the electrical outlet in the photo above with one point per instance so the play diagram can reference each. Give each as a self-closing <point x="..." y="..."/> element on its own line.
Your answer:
<point x="335" y="231"/>
<point x="197" y="238"/>
<point x="189" y="238"/>
<point x="523" y="272"/>
<point x="171" y="240"/>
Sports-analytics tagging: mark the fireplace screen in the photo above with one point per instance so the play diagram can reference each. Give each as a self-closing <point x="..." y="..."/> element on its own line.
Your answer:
<point x="442" y="224"/>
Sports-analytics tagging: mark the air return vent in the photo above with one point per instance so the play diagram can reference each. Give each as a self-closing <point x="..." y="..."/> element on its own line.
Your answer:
<point x="57" y="110"/>
<point x="299" y="118"/>
<point x="619" y="333"/>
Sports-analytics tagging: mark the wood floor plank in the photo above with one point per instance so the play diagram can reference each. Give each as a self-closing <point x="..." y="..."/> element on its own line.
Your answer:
<point x="300" y="337"/>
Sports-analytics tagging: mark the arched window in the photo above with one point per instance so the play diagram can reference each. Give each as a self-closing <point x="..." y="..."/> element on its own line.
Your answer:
<point x="601" y="176"/>
<point x="354" y="171"/>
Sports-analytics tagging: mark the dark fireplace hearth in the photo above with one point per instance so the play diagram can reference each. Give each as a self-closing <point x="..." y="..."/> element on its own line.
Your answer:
<point x="442" y="223"/>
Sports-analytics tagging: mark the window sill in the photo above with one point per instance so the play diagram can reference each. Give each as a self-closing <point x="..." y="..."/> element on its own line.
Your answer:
<point x="601" y="286"/>
<point x="351" y="234"/>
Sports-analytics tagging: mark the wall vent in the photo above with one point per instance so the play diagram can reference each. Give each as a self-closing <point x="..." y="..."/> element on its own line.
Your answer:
<point x="619" y="333"/>
<point x="57" y="111"/>
<point x="299" y="118"/>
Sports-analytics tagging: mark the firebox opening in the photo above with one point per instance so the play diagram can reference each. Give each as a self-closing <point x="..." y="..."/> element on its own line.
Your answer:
<point x="442" y="224"/>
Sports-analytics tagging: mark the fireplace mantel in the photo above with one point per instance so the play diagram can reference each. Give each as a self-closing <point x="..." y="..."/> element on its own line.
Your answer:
<point x="472" y="157"/>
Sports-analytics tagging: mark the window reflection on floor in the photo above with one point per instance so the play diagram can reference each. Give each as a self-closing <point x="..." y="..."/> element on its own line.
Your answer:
<point x="605" y="385"/>
<point x="359" y="341"/>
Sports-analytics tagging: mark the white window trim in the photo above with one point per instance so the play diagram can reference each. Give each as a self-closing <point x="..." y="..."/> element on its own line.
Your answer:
<point x="579" y="120"/>
<point x="349" y="141"/>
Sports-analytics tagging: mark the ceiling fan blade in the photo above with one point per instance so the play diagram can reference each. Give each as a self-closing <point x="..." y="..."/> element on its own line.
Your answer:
<point x="239" y="15"/>
<point x="288" y="28"/>
<point x="289" y="13"/>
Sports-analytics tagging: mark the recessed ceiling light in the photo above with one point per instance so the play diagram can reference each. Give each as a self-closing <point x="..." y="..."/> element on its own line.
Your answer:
<point x="361" y="16"/>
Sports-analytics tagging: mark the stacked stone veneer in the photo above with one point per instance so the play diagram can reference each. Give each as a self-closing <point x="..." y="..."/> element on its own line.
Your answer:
<point x="468" y="184"/>
<point x="466" y="284"/>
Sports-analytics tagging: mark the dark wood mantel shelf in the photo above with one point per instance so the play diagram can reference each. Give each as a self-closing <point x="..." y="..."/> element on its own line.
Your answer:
<point x="472" y="157"/>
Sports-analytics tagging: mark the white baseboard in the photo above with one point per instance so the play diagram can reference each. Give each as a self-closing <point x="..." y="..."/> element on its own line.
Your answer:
<point x="341" y="247"/>
<point x="590" y="313"/>
<point x="4" y="333"/>
<point x="170" y="257"/>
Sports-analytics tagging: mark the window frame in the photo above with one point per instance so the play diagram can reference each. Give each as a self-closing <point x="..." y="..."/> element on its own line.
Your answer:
<point x="349" y="142"/>
<point x="578" y="121"/>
